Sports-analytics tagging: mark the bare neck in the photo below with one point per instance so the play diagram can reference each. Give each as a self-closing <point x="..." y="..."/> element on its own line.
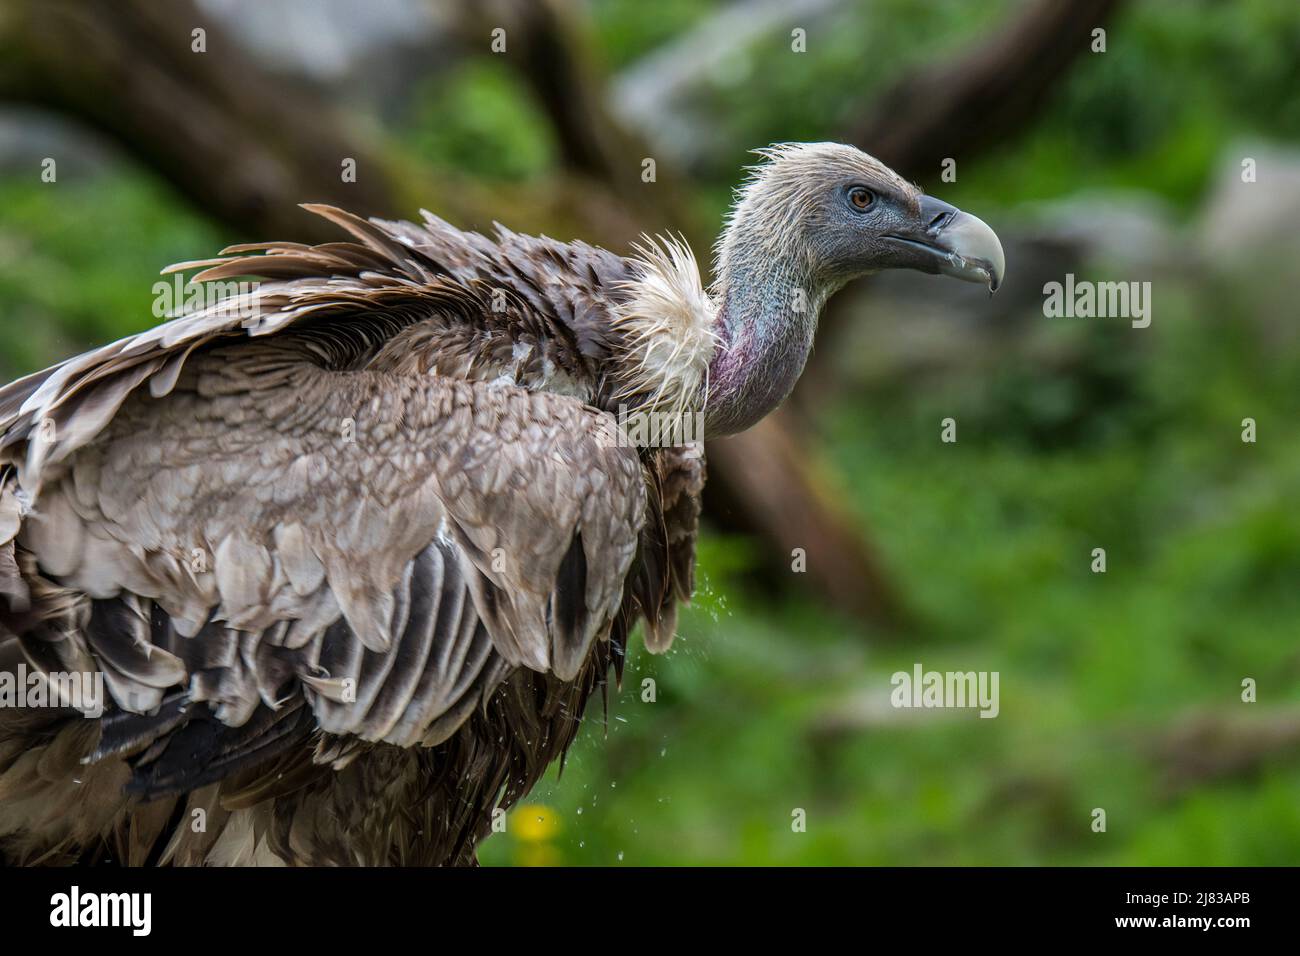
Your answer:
<point x="766" y="320"/>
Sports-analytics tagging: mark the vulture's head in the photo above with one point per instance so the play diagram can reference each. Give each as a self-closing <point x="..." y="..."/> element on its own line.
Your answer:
<point x="837" y="213"/>
<point x="809" y="219"/>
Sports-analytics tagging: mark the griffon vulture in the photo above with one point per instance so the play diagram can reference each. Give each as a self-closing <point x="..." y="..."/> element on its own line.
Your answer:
<point x="353" y="548"/>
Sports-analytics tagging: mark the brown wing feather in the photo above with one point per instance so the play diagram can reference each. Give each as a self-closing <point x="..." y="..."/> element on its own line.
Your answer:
<point x="356" y="510"/>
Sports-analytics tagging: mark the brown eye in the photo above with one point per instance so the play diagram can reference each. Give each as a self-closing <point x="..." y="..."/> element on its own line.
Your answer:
<point x="861" y="198"/>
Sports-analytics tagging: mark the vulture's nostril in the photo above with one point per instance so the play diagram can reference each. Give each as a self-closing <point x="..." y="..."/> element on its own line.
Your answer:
<point x="939" y="221"/>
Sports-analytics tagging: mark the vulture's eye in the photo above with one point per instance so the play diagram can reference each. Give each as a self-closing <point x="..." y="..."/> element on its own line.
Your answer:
<point x="861" y="198"/>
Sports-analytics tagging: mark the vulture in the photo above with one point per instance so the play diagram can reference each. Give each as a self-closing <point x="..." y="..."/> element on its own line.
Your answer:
<point x="348" y="551"/>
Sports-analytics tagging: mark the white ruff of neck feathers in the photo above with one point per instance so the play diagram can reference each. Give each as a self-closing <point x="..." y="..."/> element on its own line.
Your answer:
<point x="669" y="326"/>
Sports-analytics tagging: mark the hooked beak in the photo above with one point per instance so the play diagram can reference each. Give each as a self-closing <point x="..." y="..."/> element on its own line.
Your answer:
<point x="954" y="243"/>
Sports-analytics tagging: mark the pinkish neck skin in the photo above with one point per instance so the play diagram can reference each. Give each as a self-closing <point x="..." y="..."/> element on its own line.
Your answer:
<point x="766" y="324"/>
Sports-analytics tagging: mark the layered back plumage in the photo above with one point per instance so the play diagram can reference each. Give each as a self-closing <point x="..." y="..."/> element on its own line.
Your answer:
<point x="362" y="518"/>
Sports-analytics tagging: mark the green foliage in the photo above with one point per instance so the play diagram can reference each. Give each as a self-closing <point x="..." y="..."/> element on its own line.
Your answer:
<point x="768" y="704"/>
<point x="78" y="261"/>
<point x="478" y="118"/>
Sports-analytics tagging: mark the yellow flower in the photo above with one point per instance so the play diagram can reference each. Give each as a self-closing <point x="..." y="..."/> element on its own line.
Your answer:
<point x="534" y="823"/>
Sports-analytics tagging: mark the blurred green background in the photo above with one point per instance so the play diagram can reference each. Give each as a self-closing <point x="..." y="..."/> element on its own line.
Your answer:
<point x="1119" y="690"/>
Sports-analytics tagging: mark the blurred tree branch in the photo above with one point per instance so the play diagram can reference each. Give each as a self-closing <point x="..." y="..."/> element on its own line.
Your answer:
<point x="994" y="91"/>
<point x="549" y="47"/>
<point x="1202" y="747"/>
<point x="203" y="121"/>
<point x="243" y="144"/>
